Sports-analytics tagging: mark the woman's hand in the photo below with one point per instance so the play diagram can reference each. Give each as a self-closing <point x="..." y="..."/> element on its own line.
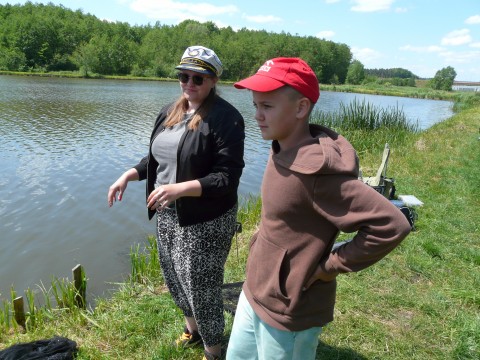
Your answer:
<point x="164" y="195"/>
<point x="117" y="189"/>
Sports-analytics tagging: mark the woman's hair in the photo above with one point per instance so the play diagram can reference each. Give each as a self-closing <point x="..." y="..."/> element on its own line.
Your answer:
<point x="177" y="111"/>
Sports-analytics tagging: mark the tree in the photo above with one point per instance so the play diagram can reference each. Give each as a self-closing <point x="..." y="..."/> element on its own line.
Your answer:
<point x="356" y="73"/>
<point x="85" y="57"/>
<point x="443" y="79"/>
<point x="12" y="59"/>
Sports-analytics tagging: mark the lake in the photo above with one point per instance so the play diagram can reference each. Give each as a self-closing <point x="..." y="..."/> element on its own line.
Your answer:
<point x="63" y="142"/>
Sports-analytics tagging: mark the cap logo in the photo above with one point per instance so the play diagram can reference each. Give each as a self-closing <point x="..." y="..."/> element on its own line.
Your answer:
<point x="267" y="66"/>
<point x="193" y="52"/>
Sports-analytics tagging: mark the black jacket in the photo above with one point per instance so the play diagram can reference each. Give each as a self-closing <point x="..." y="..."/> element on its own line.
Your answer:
<point x="211" y="154"/>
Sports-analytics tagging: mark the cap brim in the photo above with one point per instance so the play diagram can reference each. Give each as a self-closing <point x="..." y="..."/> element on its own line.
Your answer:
<point x="259" y="83"/>
<point x="197" y="69"/>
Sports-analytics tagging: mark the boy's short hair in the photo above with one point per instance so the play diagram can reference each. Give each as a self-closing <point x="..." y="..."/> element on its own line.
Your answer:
<point x="281" y="71"/>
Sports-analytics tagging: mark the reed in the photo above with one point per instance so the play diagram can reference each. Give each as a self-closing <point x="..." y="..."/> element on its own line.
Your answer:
<point x="31" y="315"/>
<point x="64" y="293"/>
<point x="5" y="316"/>
<point x="13" y="296"/>
<point x="47" y="299"/>
<point x="144" y="262"/>
<point x="362" y="115"/>
<point x="249" y="210"/>
<point x="368" y="127"/>
<point x="464" y="101"/>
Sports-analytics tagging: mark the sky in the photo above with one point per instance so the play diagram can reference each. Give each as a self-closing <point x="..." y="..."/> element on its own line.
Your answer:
<point x="422" y="36"/>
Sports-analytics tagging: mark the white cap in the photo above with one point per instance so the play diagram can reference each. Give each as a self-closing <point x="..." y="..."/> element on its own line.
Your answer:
<point x="202" y="60"/>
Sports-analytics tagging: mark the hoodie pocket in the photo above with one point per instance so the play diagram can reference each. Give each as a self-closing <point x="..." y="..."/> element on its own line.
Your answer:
<point x="264" y="274"/>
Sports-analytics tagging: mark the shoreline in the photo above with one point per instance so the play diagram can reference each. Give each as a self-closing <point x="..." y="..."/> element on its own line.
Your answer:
<point x="372" y="89"/>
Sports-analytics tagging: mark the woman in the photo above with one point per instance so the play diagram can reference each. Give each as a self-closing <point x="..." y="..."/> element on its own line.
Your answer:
<point x="193" y="171"/>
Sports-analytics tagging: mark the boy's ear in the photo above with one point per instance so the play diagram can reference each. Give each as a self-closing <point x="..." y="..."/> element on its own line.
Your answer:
<point x="303" y="107"/>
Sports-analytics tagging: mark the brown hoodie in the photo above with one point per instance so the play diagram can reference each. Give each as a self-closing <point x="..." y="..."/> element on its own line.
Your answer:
<point x="309" y="194"/>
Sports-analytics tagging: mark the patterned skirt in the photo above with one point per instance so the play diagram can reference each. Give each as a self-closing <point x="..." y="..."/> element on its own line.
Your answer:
<point x="192" y="260"/>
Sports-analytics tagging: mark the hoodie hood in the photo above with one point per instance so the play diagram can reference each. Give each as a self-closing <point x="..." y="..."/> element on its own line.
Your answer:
<point x="325" y="153"/>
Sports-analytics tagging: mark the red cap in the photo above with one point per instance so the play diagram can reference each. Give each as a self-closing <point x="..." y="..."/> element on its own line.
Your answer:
<point x="282" y="71"/>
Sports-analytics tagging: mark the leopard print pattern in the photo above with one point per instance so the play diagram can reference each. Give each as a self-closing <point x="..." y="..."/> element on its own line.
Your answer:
<point x="192" y="260"/>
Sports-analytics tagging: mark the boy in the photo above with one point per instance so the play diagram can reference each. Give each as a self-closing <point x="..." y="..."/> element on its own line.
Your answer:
<point x="310" y="192"/>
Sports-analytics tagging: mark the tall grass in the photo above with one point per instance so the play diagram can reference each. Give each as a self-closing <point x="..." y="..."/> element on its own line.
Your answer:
<point x="144" y="262"/>
<point x="61" y="296"/>
<point x="6" y="316"/>
<point x="464" y="100"/>
<point x="362" y="115"/>
<point x="64" y="293"/>
<point x="368" y="127"/>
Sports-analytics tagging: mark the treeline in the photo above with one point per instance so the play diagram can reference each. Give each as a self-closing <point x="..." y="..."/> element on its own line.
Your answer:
<point x="391" y="73"/>
<point x="38" y="37"/>
<point x="394" y="76"/>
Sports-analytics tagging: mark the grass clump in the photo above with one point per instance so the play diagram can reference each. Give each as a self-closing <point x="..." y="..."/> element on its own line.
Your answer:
<point x="369" y="128"/>
<point x="361" y="115"/>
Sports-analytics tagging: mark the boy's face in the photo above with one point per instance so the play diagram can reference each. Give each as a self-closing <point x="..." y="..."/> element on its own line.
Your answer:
<point x="276" y="114"/>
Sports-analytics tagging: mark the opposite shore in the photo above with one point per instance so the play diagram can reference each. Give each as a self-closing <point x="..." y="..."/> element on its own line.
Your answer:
<point x="419" y="91"/>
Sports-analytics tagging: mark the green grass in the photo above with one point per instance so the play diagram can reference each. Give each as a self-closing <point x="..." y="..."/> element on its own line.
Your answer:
<point x="421" y="302"/>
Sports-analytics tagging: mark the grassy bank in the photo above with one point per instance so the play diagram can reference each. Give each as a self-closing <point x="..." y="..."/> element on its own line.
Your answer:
<point x="420" y="92"/>
<point x="79" y="75"/>
<point x="421" y="302"/>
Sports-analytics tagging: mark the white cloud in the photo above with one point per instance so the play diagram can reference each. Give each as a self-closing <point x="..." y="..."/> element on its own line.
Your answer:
<point x="475" y="19"/>
<point x="461" y="57"/>
<point x="401" y="10"/>
<point x="422" y="49"/>
<point x="221" y="24"/>
<point x="326" y="34"/>
<point x="365" y="55"/>
<point x="371" y="5"/>
<point x="457" y="37"/>
<point x="178" y="11"/>
<point x="475" y="45"/>
<point x="262" y="19"/>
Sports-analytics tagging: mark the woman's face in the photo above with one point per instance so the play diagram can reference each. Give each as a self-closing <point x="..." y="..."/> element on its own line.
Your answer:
<point x="196" y="86"/>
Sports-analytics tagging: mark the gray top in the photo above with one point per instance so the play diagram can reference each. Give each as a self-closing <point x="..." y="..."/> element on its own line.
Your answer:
<point x="164" y="150"/>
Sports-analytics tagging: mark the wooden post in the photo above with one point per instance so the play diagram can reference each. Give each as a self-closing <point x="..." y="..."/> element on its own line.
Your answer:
<point x="80" y="285"/>
<point x="19" y="311"/>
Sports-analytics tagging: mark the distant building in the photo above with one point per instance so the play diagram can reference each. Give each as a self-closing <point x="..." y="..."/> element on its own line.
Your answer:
<point x="466" y="86"/>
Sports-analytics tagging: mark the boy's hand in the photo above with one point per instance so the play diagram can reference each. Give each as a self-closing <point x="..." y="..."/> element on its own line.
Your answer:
<point x="321" y="274"/>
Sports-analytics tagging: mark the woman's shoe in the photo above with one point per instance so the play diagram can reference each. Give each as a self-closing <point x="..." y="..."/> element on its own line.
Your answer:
<point x="189" y="339"/>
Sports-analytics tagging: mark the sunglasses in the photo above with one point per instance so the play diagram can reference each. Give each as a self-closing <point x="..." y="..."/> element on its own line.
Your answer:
<point x="196" y="79"/>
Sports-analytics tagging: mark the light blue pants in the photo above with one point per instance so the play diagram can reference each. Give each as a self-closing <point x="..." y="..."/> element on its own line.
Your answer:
<point x="252" y="339"/>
